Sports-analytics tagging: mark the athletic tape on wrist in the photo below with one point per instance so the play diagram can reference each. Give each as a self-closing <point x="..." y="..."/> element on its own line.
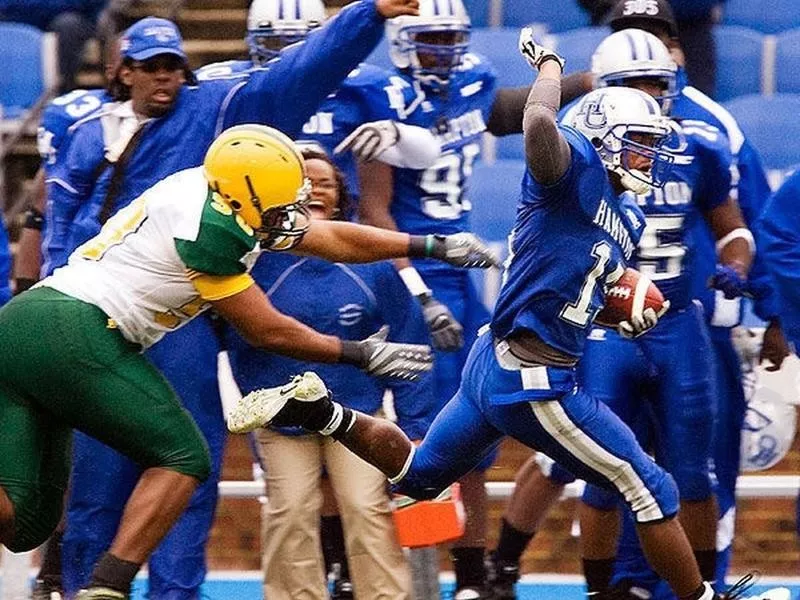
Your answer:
<point x="739" y="232"/>
<point x="413" y="281"/>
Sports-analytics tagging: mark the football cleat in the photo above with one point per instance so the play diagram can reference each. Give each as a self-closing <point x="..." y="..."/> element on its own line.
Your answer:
<point x="501" y="577"/>
<point x="260" y="407"/>
<point x="471" y="593"/>
<point x="101" y="593"/>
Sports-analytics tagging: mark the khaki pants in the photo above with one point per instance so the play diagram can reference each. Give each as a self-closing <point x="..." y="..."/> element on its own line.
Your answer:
<point x="292" y="555"/>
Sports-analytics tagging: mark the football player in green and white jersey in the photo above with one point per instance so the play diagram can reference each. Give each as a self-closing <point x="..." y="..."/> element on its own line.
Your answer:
<point x="71" y="346"/>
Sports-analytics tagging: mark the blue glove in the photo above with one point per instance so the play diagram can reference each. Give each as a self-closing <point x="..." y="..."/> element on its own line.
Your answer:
<point x="729" y="282"/>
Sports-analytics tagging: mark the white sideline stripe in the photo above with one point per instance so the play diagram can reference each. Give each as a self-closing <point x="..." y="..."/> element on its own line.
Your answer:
<point x="748" y="486"/>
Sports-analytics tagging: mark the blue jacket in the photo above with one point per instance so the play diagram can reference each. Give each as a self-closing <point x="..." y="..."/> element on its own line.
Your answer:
<point x="284" y="96"/>
<point x="779" y="239"/>
<point x="348" y="301"/>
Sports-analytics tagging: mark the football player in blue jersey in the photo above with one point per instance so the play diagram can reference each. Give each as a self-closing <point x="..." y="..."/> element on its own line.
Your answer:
<point x="455" y="95"/>
<point x="103" y="170"/>
<point x="576" y="227"/>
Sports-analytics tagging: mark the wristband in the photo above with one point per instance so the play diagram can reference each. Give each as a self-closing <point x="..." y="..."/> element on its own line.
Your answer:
<point x="421" y="246"/>
<point x="352" y="354"/>
<point x="413" y="281"/>
<point x="33" y="219"/>
<point x="739" y="232"/>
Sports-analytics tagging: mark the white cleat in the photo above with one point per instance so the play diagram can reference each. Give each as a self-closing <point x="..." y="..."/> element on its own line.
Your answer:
<point x="259" y="407"/>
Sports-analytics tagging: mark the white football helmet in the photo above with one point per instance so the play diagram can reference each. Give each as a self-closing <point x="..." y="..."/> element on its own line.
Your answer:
<point x="634" y="54"/>
<point x="432" y="45"/>
<point x="275" y="24"/>
<point x="609" y="117"/>
<point x="768" y="430"/>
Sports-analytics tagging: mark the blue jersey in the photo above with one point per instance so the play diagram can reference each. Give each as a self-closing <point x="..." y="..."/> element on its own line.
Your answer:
<point x="61" y="114"/>
<point x="779" y="240"/>
<point x="569" y="239"/>
<point x="436" y="199"/>
<point x="368" y="94"/>
<point x="301" y="78"/>
<point x="749" y="187"/>
<point x="700" y="180"/>
<point x="357" y="301"/>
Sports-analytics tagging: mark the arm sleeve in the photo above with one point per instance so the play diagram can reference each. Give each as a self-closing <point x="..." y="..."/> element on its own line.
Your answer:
<point x="68" y="188"/>
<point x="546" y="151"/>
<point x="414" y="402"/>
<point x="305" y="73"/>
<point x="416" y="148"/>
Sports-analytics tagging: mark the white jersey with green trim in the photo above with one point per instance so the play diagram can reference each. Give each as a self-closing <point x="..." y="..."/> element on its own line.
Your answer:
<point x="139" y="268"/>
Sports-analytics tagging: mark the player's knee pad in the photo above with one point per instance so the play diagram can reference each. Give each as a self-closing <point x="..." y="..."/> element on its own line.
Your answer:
<point x="599" y="498"/>
<point x="37" y="512"/>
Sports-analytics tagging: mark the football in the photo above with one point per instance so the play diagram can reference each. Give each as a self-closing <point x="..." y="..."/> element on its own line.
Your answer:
<point x="630" y="289"/>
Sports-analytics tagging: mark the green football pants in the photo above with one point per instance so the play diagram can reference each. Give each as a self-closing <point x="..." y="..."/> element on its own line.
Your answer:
<point x="63" y="368"/>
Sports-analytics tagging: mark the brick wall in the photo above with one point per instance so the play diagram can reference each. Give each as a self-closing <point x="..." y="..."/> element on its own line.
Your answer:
<point x="765" y="540"/>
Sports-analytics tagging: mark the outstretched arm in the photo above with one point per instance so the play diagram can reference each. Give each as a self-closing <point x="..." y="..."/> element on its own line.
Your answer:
<point x="546" y="151"/>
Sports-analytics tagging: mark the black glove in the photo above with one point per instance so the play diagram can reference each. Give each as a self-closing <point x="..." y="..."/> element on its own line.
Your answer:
<point x="459" y="249"/>
<point x="447" y="333"/>
<point x="378" y="357"/>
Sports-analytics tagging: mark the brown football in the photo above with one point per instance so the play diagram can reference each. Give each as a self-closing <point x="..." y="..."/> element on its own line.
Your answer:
<point x="632" y="287"/>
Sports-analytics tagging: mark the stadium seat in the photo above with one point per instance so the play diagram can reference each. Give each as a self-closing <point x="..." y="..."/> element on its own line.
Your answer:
<point x="478" y="11"/>
<point x="577" y="46"/>
<point x="494" y="192"/>
<point x="31" y="69"/>
<point x="558" y="16"/>
<point x="380" y="56"/>
<point x="771" y="124"/>
<point x="787" y="62"/>
<point x="499" y="45"/>
<point x="739" y="56"/>
<point x="766" y="16"/>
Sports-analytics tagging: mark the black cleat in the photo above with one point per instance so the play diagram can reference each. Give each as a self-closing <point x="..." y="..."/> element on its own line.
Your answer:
<point x="501" y="577"/>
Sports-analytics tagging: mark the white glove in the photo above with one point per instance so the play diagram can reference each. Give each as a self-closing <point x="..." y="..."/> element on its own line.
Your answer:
<point x="370" y="140"/>
<point x="534" y="53"/>
<point x="641" y="321"/>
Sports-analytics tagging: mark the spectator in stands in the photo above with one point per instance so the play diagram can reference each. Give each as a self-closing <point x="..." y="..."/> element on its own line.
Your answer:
<point x="72" y="20"/>
<point x="357" y="300"/>
<point x="691" y="20"/>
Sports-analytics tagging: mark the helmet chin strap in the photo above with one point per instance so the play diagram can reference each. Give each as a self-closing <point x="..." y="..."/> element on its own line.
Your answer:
<point x="633" y="180"/>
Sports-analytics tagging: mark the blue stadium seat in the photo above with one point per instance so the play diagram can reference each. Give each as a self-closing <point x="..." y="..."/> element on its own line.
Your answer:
<point x="787" y="62"/>
<point x="739" y="55"/>
<point x="771" y="124"/>
<point x="558" y="16"/>
<point x="577" y="46"/>
<point x="499" y="45"/>
<point x="29" y="56"/>
<point x="478" y="11"/>
<point x="380" y="56"/>
<point x="494" y="192"/>
<point x="510" y="147"/>
<point x="767" y="16"/>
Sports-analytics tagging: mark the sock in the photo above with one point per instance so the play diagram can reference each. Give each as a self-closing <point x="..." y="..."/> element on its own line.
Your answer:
<point x="598" y="573"/>
<point x="333" y="551"/>
<point x="114" y="573"/>
<point x="704" y="591"/>
<point x="50" y="571"/>
<point x="707" y="561"/>
<point x="469" y="567"/>
<point x="512" y="543"/>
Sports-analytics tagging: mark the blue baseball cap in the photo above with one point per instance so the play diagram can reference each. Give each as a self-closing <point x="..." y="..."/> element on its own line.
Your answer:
<point x="150" y="37"/>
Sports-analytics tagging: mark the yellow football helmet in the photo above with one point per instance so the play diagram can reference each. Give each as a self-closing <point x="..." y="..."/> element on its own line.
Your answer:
<point x="257" y="171"/>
